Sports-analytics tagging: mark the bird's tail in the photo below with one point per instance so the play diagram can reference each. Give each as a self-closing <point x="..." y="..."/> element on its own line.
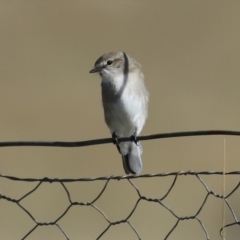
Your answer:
<point x="132" y="162"/>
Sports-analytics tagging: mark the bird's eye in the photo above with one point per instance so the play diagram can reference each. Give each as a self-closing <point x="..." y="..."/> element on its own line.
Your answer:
<point x="109" y="62"/>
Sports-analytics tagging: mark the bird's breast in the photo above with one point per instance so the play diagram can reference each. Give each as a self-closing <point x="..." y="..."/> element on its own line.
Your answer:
<point x="125" y="109"/>
<point x="124" y="115"/>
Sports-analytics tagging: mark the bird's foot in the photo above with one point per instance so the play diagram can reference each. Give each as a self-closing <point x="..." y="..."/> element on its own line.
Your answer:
<point x="134" y="138"/>
<point x="115" y="140"/>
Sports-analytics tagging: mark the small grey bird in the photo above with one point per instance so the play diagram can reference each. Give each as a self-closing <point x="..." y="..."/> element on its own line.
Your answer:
<point x="125" y="104"/>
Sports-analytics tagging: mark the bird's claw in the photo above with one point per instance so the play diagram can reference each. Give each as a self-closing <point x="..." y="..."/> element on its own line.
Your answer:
<point x="134" y="138"/>
<point x="115" y="141"/>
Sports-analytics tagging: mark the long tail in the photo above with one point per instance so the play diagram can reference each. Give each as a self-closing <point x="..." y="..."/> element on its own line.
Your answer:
<point x="132" y="162"/>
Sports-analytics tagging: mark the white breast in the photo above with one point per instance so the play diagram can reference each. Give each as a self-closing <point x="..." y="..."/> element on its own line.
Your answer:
<point x="126" y="114"/>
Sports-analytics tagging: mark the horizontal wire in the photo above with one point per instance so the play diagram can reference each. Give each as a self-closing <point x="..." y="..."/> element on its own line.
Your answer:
<point x="125" y="139"/>
<point x="51" y="180"/>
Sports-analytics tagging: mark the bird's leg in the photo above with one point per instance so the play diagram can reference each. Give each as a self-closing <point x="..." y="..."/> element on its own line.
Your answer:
<point x="134" y="137"/>
<point x="115" y="141"/>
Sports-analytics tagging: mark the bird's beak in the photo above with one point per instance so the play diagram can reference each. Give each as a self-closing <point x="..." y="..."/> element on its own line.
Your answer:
<point x="96" y="69"/>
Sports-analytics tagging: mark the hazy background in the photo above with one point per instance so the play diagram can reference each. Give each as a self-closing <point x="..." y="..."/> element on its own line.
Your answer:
<point x="190" y="54"/>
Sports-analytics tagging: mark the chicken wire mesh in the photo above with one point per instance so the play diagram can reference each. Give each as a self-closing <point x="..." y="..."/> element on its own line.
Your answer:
<point x="140" y="196"/>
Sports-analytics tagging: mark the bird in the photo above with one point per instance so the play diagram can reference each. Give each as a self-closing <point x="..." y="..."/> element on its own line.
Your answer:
<point x="125" y="104"/>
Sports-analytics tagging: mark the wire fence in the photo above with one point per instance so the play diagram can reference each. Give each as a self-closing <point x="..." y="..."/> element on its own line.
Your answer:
<point x="175" y="176"/>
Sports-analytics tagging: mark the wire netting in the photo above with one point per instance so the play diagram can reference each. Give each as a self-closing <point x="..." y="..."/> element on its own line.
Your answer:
<point x="140" y="197"/>
<point x="132" y="181"/>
